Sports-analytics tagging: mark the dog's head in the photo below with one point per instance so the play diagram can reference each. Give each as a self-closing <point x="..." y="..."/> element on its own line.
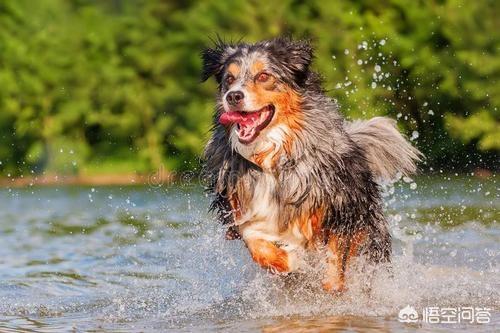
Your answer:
<point x="259" y="89"/>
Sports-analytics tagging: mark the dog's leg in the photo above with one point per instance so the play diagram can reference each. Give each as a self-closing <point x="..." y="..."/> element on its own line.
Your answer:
<point x="334" y="275"/>
<point x="232" y="233"/>
<point x="340" y="251"/>
<point x="268" y="255"/>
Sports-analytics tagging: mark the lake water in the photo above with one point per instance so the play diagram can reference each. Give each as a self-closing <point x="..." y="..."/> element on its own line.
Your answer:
<point x="152" y="259"/>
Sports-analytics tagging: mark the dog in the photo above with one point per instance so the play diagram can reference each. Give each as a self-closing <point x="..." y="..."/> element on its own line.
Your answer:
<point x="287" y="173"/>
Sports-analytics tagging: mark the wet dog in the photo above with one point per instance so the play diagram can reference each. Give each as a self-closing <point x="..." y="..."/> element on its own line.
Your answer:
<point x="288" y="174"/>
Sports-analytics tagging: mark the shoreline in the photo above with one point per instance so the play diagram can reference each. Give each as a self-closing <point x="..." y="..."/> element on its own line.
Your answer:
<point x="87" y="180"/>
<point x="159" y="178"/>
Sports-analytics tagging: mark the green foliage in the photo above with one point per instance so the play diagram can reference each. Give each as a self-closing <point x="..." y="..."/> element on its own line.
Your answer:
<point x="481" y="126"/>
<point x="113" y="86"/>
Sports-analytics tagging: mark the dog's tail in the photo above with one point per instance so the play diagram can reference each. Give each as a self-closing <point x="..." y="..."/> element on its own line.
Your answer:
<point x="387" y="150"/>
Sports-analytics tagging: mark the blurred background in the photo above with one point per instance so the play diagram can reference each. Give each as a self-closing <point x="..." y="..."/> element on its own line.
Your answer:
<point x="108" y="92"/>
<point x="112" y="87"/>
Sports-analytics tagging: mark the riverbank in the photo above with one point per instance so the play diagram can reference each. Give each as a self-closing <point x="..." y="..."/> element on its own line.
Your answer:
<point x="160" y="177"/>
<point x="88" y="180"/>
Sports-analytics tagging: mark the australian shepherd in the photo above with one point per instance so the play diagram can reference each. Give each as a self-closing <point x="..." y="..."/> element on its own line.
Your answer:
<point x="288" y="174"/>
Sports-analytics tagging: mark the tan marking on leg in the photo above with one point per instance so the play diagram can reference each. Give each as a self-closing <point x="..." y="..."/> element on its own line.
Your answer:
<point x="341" y="250"/>
<point x="334" y="275"/>
<point x="268" y="255"/>
<point x="356" y="242"/>
<point x="310" y="226"/>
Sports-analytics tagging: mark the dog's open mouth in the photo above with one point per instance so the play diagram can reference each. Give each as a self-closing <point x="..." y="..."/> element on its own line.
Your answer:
<point x="249" y="124"/>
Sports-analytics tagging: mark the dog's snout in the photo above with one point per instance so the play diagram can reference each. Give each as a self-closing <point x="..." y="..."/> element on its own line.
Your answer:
<point x="235" y="97"/>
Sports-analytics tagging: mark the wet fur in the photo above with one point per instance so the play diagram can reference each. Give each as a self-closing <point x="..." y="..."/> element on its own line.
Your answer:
<point x="322" y="178"/>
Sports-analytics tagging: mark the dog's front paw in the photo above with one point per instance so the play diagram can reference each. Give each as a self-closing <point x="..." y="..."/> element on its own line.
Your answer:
<point x="335" y="287"/>
<point x="232" y="234"/>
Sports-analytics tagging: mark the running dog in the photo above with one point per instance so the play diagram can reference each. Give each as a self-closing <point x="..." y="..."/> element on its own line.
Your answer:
<point x="288" y="174"/>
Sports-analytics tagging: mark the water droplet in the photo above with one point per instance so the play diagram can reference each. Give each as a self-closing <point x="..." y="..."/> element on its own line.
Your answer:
<point x="407" y="179"/>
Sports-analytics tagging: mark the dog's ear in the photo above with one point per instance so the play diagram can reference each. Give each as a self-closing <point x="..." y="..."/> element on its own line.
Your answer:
<point x="214" y="59"/>
<point x="295" y="55"/>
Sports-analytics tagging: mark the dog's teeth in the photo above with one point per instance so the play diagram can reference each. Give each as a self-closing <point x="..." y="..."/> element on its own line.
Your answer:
<point x="263" y="115"/>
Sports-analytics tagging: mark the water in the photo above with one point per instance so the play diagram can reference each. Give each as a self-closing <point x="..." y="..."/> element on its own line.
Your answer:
<point x="152" y="259"/>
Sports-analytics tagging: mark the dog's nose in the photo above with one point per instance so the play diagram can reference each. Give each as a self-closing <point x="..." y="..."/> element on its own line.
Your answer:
<point x="234" y="97"/>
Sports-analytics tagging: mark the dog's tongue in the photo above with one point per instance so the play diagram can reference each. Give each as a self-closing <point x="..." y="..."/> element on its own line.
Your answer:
<point x="242" y="118"/>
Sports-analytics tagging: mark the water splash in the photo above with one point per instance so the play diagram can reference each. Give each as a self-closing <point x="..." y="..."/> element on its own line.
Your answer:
<point x="139" y="258"/>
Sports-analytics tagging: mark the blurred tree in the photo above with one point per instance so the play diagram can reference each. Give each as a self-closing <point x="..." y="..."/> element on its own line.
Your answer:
<point x="113" y="86"/>
<point x="473" y="30"/>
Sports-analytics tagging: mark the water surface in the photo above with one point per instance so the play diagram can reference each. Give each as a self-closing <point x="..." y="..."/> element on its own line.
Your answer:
<point x="152" y="259"/>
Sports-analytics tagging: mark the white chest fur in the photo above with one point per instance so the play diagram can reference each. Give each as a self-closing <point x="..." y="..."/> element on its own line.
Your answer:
<point x="259" y="219"/>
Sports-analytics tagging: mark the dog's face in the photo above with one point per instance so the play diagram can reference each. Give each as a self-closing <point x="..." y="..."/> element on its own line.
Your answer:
<point x="259" y="90"/>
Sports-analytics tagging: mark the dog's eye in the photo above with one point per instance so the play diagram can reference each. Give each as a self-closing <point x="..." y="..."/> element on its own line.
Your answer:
<point x="263" y="77"/>
<point x="230" y="80"/>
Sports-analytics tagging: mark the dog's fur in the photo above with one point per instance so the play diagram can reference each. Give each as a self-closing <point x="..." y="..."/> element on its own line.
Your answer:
<point x="310" y="180"/>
